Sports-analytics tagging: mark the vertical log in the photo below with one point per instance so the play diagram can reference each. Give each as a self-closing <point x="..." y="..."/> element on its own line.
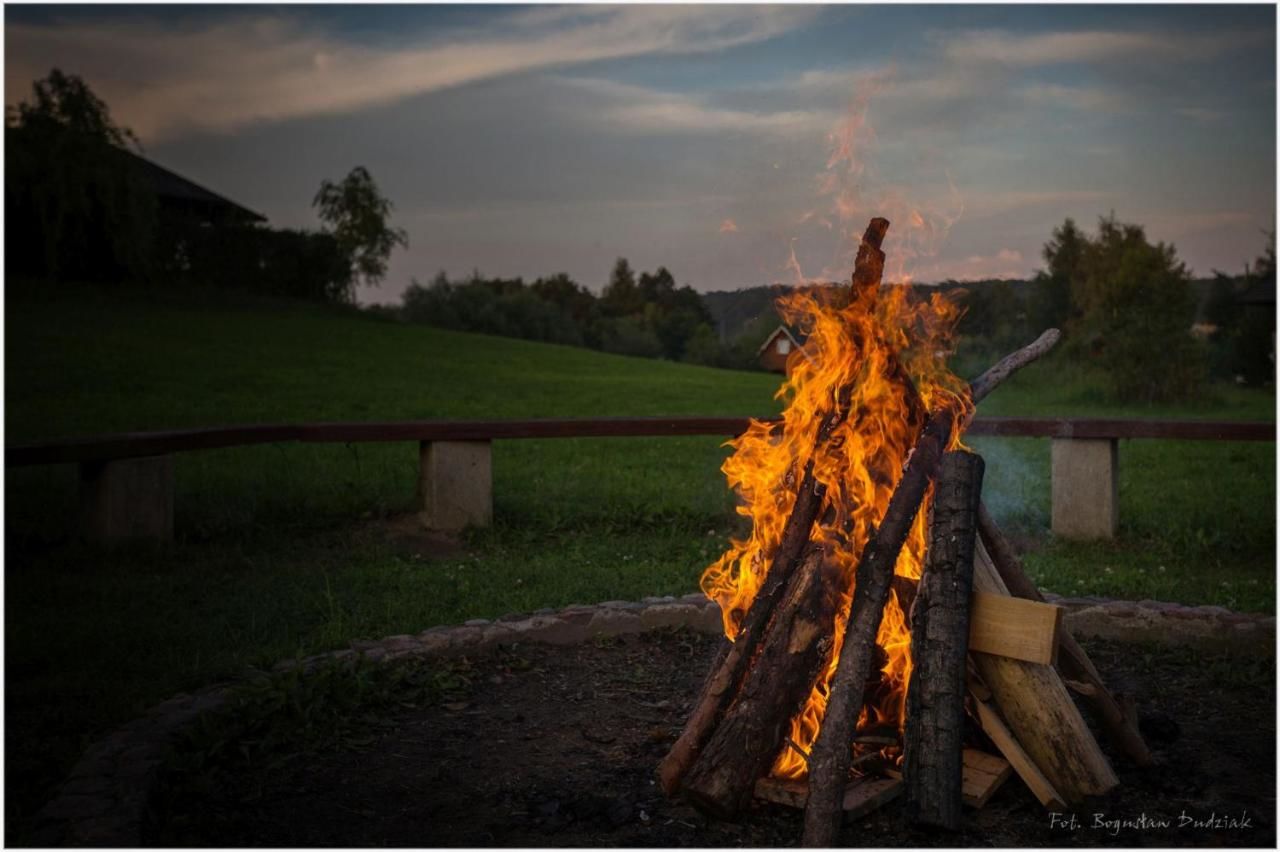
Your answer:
<point x="933" y="766"/>
<point x="832" y="753"/>
<point x="794" y="654"/>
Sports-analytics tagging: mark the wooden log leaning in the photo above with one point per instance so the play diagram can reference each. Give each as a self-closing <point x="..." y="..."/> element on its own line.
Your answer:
<point x="725" y="678"/>
<point x="933" y="760"/>
<point x="794" y="654"/>
<point x="1073" y="662"/>
<point x="829" y="761"/>
<point x="1039" y="711"/>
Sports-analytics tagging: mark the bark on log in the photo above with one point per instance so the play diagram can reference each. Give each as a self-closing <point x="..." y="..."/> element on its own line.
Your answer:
<point x="832" y="753"/>
<point x="1040" y="713"/>
<point x="1012" y="363"/>
<point x="933" y="764"/>
<point x="1072" y="659"/>
<point x="725" y="678"/>
<point x="792" y="657"/>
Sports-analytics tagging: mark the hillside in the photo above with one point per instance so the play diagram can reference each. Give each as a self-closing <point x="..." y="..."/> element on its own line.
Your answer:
<point x="89" y="363"/>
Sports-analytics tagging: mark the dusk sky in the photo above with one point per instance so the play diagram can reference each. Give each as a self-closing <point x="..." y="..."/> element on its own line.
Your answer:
<point x="715" y="140"/>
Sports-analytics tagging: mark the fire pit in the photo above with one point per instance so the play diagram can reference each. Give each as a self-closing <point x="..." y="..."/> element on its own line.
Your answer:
<point x="848" y="676"/>
<point x="554" y="746"/>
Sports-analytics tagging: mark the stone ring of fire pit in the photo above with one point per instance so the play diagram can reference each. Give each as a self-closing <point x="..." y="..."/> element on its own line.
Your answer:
<point x="106" y="796"/>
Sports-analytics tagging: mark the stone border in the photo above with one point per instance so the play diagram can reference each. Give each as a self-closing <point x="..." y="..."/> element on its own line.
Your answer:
<point x="105" y="798"/>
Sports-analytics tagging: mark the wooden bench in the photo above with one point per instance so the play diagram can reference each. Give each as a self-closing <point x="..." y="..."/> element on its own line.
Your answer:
<point x="126" y="480"/>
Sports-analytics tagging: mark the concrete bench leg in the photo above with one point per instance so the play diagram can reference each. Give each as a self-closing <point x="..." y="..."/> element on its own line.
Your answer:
<point x="455" y="484"/>
<point x="1086" y="488"/>
<point x="127" y="500"/>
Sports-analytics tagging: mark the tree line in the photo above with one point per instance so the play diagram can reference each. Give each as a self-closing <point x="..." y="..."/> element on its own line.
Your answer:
<point x="645" y="314"/>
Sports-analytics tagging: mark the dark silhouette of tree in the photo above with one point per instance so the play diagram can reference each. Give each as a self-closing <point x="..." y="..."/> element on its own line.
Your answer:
<point x="71" y="190"/>
<point x="356" y="214"/>
<point x="1051" y="304"/>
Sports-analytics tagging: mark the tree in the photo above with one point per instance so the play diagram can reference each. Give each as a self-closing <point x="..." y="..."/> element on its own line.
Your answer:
<point x="1134" y="298"/>
<point x="1051" y="304"/>
<point x="76" y="205"/>
<point x="621" y="297"/>
<point x="356" y="213"/>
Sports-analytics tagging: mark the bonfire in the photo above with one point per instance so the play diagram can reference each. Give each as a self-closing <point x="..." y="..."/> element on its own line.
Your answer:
<point x="874" y="643"/>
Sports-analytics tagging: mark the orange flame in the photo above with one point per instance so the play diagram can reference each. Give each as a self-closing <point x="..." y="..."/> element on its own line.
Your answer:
<point x="860" y="465"/>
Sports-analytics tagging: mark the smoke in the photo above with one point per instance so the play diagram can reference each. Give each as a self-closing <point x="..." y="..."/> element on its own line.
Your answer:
<point x="851" y="189"/>
<point x="1016" y="483"/>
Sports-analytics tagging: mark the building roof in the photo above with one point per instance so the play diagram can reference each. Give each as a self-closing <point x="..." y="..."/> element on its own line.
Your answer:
<point x="173" y="187"/>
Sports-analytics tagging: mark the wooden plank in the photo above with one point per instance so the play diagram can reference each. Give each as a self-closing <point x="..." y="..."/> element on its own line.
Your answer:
<point x="861" y="797"/>
<point x="792" y="794"/>
<point x="1000" y="735"/>
<point x="1040" y="712"/>
<point x="982" y="775"/>
<point x="1014" y="627"/>
<point x="135" y="444"/>
<point x="868" y="794"/>
<point x="140" y="444"/>
<point x="1073" y="662"/>
<point x="1097" y="427"/>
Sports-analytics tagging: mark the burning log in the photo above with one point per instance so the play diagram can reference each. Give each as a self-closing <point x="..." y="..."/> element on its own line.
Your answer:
<point x="1040" y="713"/>
<point x="829" y="762"/>
<point x="793" y="655"/>
<point x="933" y="754"/>
<point x="723" y="682"/>
<point x="1072" y="661"/>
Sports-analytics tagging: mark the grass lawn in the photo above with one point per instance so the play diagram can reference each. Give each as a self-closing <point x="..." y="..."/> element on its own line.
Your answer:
<point x="286" y="549"/>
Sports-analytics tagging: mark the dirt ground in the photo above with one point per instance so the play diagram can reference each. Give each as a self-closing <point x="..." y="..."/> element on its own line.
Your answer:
<point x="556" y="746"/>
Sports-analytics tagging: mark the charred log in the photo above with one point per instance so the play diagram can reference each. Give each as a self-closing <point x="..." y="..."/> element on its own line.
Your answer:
<point x="832" y="753"/>
<point x="725" y="678"/>
<point x="794" y="654"/>
<point x="933" y="763"/>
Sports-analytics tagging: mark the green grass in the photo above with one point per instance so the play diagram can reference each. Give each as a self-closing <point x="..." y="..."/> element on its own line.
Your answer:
<point x="285" y="549"/>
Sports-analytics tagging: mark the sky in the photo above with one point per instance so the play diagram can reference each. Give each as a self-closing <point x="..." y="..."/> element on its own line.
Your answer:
<point x="736" y="145"/>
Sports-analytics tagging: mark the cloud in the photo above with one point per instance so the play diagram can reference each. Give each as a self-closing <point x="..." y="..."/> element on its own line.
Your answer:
<point x="1005" y="263"/>
<point x="1086" y="46"/>
<point x="163" y="79"/>
<point x="1204" y="115"/>
<point x="637" y="109"/>
<point x="1084" y="98"/>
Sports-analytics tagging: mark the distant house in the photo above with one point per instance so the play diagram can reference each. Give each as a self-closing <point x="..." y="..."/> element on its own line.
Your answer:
<point x="186" y="199"/>
<point x="778" y="347"/>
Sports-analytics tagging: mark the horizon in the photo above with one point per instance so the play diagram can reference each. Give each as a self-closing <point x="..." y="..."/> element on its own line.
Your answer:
<point x="738" y="146"/>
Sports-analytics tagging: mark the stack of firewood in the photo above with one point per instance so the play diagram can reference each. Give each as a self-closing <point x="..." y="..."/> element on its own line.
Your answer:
<point x="992" y="663"/>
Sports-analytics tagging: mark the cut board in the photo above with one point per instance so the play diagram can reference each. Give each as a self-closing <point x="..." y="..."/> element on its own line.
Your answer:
<point x="1014" y="627"/>
<point x="993" y="726"/>
<point x="861" y="797"/>
<point x="983" y="775"/>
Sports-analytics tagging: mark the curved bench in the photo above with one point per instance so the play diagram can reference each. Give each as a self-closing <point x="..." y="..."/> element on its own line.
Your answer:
<point x="126" y="479"/>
